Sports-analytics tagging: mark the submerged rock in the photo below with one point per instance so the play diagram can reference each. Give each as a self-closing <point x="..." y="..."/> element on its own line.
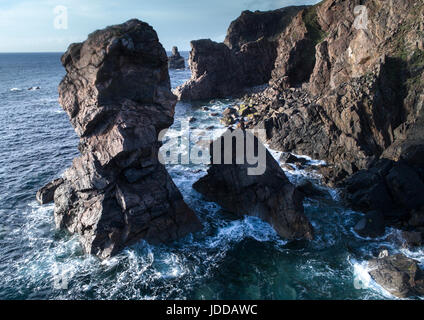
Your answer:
<point x="117" y="95"/>
<point x="399" y="275"/>
<point x="176" y="61"/>
<point x="269" y="196"/>
<point x="290" y="158"/>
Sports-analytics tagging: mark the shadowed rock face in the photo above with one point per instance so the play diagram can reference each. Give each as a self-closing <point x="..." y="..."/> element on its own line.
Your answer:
<point x="269" y="196"/>
<point x="245" y="59"/>
<point x="117" y="95"/>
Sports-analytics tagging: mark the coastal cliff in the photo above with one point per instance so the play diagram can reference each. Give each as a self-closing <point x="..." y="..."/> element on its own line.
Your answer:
<point x="245" y="59"/>
<point x="360" y="100"/>
<point x="347" y="87"/>
<point x="363" y="83"/>
<point x="117" y="95"/>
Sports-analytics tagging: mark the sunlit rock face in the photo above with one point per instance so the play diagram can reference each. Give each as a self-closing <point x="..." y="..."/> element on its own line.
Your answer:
<point x="245" y="59"/>
<point x="361" y="70"/>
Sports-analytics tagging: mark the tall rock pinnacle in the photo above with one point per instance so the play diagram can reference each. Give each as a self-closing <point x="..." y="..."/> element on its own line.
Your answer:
<point x="117" y="95"/>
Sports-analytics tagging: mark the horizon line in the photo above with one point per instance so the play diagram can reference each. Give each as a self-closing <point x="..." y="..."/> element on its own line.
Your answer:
<point x="20" y="52"/>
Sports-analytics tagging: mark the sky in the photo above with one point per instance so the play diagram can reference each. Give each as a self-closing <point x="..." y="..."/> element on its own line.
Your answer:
<point x="51" y="25"/>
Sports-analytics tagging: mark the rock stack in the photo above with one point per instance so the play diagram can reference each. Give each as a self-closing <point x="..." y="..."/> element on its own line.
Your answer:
<point x="117" y="95"/>
<point x="268" y="195"/>
<point x="176" y="61"/>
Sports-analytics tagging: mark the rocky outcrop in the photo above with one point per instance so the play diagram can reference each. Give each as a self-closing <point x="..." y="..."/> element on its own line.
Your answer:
<point x="251" y="26"/>
<point x="210" y="62"/>
<point x="391" y="188"/>
<point x="176" y="61"/>
<point x="388" y="186"/>
<point x="348" y="88"/>
<point x="371" y="226"/>
<point x="117" y="95"/>
<point x="346" y="93"/>
<point x="269" y="196"/>
<point x="245" y="59"/>
<point x="399" y="275"/>
<point x="46" y="194"/>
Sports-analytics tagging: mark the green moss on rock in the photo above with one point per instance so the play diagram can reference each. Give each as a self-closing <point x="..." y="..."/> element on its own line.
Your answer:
<point x="310" y="18"/>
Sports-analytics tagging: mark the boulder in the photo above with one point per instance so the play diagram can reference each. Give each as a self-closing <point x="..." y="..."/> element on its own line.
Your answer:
<point x="393" y="188"/>
<point x="406" y="187"/>
<point x="46" y="194"/>
<point x="366" y="190"/>
<point x="412" y="239"/>
<point x="309" y="189"/>
<point x="399" y="275"/>
<point x="176" y="61"/>
<point x="290" y="158"/>
<point x="371" y="226"/>
<point x="417" y="218"/>
<point x="117" y="95"/>
<point x="268" y="195"/>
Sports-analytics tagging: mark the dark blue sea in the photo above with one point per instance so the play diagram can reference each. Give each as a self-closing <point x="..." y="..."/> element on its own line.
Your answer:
<point x="230" y="259"/>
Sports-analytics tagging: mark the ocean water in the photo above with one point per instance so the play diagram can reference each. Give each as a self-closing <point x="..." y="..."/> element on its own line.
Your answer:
<point x="230" y="259"/>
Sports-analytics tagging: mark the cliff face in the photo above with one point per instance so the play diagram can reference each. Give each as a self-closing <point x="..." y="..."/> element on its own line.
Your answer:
<point x="245" y="59"/>
<point x="363" y="82"/>
<point x="251" y="26"/>
<point x="117" y="95"/>
<point x="348" y="87"/>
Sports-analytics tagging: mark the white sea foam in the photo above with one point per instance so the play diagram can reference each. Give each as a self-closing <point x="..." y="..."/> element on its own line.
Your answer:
<point x="363" y="280"/>
<point x="248" y="227"/>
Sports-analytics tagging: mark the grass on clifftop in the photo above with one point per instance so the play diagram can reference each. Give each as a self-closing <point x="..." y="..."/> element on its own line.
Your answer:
<point x="412" y="58"/>
<point x="416" y="68"/>
<point x="310" y="18"/>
